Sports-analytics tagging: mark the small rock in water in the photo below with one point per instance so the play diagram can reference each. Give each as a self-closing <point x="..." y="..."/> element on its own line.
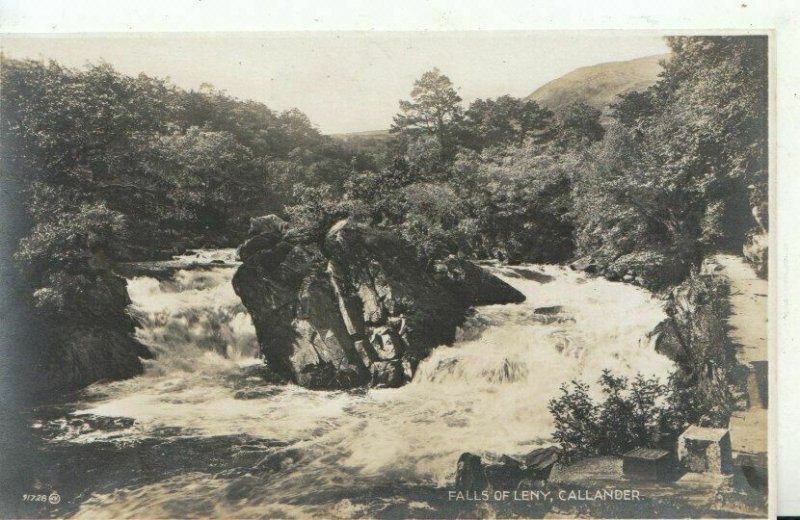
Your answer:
<point x="553" y="309"/>
<point x="584" y="264"/>
<point x="470" y="475"/>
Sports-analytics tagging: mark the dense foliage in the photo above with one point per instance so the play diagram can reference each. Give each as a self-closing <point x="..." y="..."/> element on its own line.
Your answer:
<point x="681" y="164"/>
<point x="632" y="414"/>
<point x="112" y="167"/>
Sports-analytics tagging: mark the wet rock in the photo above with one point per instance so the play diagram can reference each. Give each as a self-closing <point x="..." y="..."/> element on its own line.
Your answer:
<point x="387" y="374"/>
<point x="297" y="319"/>
<point x="387" y="343"/>
<point x="272" y="224"/>
<point x="357" y="309"/>
<point x="256" y="393"/>
<point x="257" y="244"/>
<point x="584" y="264"/>
<point x="92" y="340"/>
<point x="549" y="311"/>
<point x="409" y="367"/>
<point x="667" y="341"/>
<point x="540" y="462"/>
<point x="381" y="270"/>
<point x="474" y="285"/>
<point x="531" y="274"/>
<point x="470" y="475"/>
<point x="509" y="472"/>
<point x="365" y="352"/>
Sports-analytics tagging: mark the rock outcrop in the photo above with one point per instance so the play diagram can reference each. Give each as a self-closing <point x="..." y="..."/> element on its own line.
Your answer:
<point x="695" y="337"/>
<point x="92" y="341"/>
<point x="505" y="473"/>
<point x="356" y="309"/>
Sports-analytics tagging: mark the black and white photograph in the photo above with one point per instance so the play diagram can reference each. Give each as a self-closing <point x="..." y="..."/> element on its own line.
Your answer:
<point x="377" y="274"/>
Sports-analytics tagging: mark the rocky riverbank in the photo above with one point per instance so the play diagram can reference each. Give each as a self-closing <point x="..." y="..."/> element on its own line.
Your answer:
<point x="356" y="309"/>
<point x="715" y="332"/>
<point x="92" y="341"/>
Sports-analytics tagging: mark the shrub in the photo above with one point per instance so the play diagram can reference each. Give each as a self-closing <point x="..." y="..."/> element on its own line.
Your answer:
<point x="633" y="414"/>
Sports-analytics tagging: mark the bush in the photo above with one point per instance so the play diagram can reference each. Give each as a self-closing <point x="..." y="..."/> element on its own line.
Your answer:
<point x="63" y="255"/>
<point x="633" y="414"/>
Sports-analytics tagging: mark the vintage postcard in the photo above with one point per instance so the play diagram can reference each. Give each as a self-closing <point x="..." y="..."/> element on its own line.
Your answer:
<point x="466" y="274"/>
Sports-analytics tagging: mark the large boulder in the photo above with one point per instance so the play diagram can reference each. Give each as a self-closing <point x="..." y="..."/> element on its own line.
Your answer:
<point x="469" y="282"/>
<point x="93" y="341"/>
<point x="356" y="309"/>
<point x="505" y="473"/>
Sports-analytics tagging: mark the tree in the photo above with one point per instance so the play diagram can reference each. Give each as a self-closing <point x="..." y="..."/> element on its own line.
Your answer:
<point x="578" y="124"/>
<point x="505" y="121"/>
<point x="434" y="109"/>
<point x="521" y="200"/>
<point x="675" y="175"/>
<point x="211" y="176"/>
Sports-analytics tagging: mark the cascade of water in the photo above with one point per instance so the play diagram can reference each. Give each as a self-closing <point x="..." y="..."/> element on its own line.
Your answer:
<point x="193" y="313"/>
<point x="486" y="393"/>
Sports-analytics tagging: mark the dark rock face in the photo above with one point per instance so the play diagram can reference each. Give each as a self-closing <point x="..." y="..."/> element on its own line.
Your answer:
<point x="506" y="472"/>
<point x="470" y="475"/>
<point x="469" y="282"/>
<point x="94" y="344"/>
<point x="356" y="309"/>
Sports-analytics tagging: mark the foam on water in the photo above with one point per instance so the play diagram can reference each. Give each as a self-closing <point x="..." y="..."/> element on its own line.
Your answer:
<point x="487" y="393"/>
<point x="195" y="312"/>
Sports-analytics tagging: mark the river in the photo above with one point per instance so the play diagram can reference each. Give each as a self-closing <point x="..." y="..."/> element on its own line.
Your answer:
<point x="201" y="433"/>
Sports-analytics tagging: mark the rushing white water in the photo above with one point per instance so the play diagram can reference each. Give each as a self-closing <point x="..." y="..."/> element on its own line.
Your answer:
<point x="488" y="393"/>
<point x="195" y="312"/>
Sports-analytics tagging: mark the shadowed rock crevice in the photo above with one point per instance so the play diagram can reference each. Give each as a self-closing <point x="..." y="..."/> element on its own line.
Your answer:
<point x="357" y="309"/>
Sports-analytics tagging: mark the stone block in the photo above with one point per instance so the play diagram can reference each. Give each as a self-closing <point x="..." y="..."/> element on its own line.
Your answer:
<point x="705" y="450"/>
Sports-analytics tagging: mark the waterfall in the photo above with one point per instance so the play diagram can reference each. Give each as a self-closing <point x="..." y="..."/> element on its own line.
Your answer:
<point x="193" y="314"/>
<point x="487" y="393"/>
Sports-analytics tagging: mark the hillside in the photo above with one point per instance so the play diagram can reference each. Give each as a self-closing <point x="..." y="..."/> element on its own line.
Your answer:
<point x="598" y="85"/>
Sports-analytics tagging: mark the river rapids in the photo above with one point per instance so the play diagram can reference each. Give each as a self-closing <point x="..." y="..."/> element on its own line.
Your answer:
<point x="201" y="433"/>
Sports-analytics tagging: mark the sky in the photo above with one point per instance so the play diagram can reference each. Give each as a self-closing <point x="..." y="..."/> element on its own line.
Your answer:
<point x="344" y="81"/>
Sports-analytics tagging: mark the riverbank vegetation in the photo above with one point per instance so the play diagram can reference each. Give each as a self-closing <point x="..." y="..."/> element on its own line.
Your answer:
<point x="100" y="167"/>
